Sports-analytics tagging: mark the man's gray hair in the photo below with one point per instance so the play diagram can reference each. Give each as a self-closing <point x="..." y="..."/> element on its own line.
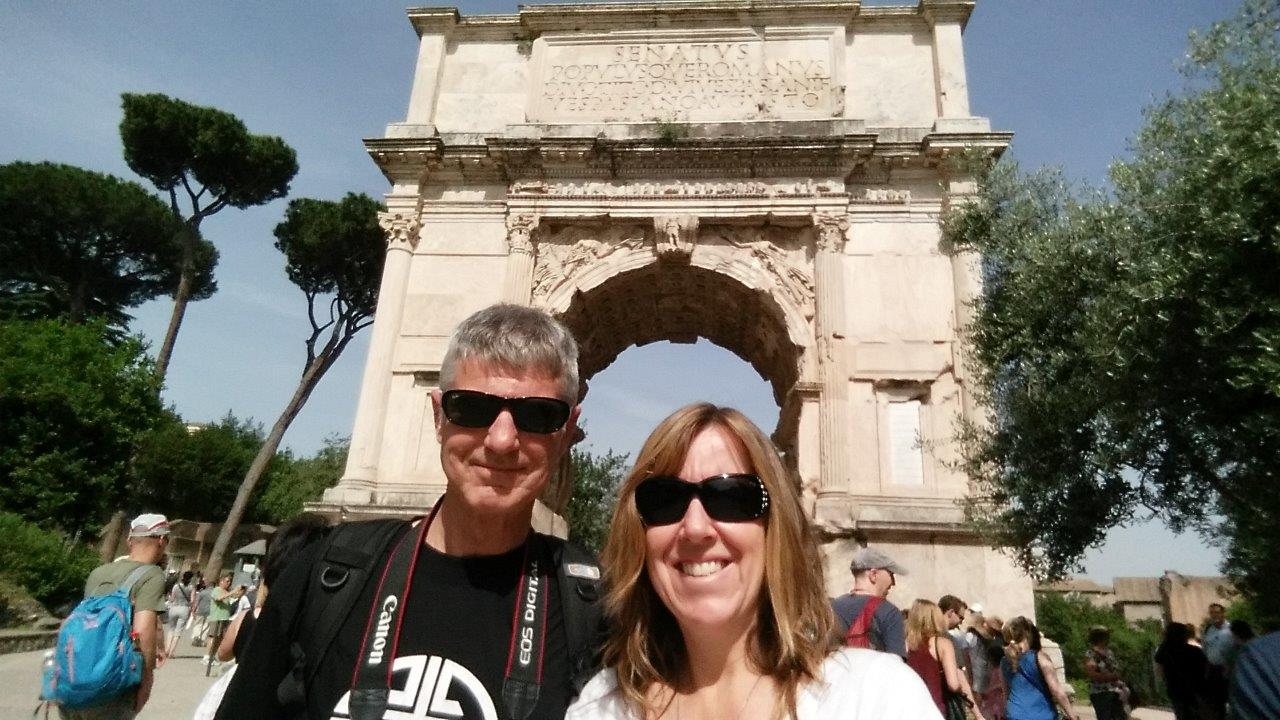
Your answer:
<point x="515" y="337"/>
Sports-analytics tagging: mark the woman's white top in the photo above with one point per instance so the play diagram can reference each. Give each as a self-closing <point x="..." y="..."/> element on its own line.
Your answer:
<point x="856" y="684"/>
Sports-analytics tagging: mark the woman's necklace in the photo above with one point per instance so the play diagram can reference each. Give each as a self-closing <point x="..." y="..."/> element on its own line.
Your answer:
<point x="746" y="701"/>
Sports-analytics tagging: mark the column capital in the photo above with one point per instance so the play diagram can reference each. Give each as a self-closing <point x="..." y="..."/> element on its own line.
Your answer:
<point x="520" y="229"/>
<point x="831" y="231"/>
<point x="401" y="229"/>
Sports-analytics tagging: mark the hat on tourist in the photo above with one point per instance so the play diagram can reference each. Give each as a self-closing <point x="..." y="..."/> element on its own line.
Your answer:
<point x="871" y="559"/>
<point x="976" y="607"/>
<point x="149" y="525"/>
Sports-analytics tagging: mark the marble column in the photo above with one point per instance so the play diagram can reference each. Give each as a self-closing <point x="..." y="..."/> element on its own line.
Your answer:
<point x="402" y="228"/>
<point x="833" y="423"/>
<point x="517" y="284"/>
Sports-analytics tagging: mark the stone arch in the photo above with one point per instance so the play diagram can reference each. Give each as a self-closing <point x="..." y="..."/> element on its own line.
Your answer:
<point x="641" y="301"/>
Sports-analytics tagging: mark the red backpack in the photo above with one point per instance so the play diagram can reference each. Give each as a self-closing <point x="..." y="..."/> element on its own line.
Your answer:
<point x="859" y="630"/>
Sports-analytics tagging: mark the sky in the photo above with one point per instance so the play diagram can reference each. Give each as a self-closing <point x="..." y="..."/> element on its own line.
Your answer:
<point x="1070" y="79"/>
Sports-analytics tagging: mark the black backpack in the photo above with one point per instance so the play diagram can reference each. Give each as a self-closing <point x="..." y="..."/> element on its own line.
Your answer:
<point x="354" y="552"/>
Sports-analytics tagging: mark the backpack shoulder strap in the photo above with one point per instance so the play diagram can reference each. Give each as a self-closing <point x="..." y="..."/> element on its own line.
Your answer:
<point x="861" y="624"/>
<point x="348" y="556"/>
<point x="578" y="580"/>
<point x="132" y="579"/>
<point x="353" y="555"/>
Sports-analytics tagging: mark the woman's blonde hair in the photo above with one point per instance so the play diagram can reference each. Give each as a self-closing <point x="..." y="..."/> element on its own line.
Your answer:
<point x="794" y="618"/>
<point x="924" y="621"/>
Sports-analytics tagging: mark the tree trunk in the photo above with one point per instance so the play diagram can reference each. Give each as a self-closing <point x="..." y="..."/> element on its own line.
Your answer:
<point x="310" y="377"/>
<point x="111" y="537"/>
<point x="180" y="298"/>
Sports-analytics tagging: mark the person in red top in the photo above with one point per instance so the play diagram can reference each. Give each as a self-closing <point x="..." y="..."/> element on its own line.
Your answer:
<point x="932" y="655"/>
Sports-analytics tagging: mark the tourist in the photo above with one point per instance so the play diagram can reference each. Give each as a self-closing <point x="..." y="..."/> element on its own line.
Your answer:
<point x="1255" y="694"/>
<point x="714" y="593"/>
<point x="178" y="611"/>
<point x="1218" y="642"/>
<point x="224" y="601"/>
<point x="140" y="572"/>
<point x="935" y="661"/>
<point x="865" y="617"/>
<point x="1033" y="682"/>
<point x="1241" y="634"/>
<point x="1183" y="667"/>
<point x="456" y="598"/>
<point x="200" y="621"/>
<point x="976" y="640"/>
<point x="1106" y="687"/>
<point x="995" y="694"/>
<point x="954" y="611"/>
<point x="289" y="542"/>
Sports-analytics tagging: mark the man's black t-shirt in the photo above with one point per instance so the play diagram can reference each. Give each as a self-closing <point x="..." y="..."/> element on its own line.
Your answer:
<point x="452" y="655"/>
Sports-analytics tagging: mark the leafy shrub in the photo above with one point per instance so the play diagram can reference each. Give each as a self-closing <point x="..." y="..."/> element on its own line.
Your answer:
<point x="1067" y="619"/>
<point x="48" y="564"/>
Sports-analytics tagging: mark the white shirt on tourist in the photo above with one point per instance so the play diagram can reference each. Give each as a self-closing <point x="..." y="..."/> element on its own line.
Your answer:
<point x="856" y="684"/>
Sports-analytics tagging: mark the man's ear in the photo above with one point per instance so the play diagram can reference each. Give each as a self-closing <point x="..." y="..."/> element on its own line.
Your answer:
<point x="437" y="414"/>
<point x="571" y="433"/>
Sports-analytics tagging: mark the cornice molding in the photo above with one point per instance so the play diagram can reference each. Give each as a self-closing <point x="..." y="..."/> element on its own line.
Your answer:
<point x="533" y="20"/>
<point x="943" y="11"/>
<point x="475" y="158"/>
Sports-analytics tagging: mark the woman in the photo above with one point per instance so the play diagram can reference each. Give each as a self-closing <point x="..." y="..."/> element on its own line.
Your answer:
<point x="995" y="695"/>
<point x="932" y="655"/>
<point x="1184" y="668"/>
<point x="715" y="593"/>
<point x="1030" y="675"/>
<point x="177" y="611"/>
<point x="1105" y="683"/>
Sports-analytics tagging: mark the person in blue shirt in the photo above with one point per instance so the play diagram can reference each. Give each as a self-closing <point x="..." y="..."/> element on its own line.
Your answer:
<point x="1033" y="682"/>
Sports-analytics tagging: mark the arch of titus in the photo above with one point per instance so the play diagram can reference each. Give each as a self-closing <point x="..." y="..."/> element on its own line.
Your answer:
<point x="766" y="175"/>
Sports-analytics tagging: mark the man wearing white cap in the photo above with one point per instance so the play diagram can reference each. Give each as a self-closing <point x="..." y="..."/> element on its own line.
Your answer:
<point x="148" y="540"/>
<point x="866" y="618"/>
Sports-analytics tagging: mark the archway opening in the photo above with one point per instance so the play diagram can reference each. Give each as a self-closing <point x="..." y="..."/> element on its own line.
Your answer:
<point x="689" y="334"/>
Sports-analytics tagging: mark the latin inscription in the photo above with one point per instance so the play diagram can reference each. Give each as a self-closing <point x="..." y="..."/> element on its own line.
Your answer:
<point x="689" y="80"/>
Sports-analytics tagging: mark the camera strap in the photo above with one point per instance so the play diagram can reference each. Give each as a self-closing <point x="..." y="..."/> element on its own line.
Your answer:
<point x="522" y="684"/>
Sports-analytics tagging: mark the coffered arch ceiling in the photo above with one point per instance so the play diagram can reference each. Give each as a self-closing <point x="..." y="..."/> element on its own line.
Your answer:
<point x="681" y="303"/>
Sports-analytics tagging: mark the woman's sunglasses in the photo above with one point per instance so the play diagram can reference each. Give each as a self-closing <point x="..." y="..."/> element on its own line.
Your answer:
<point x="737" y="497"/>
<point x="474" y="409"/>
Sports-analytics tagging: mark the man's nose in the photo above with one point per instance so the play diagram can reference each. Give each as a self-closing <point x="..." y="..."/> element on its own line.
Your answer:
<point x="503" y="436"/>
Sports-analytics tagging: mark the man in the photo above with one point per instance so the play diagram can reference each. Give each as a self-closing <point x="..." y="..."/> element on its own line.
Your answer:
<point x="1218" y="643"/>
<point x="460" y="631"/>
<point x="222" y="606"/>
<point x="954" y="612"/>
<point x="1255" y="694"/>
<point x="148" y="540"/>
<point x="866" y="618"/>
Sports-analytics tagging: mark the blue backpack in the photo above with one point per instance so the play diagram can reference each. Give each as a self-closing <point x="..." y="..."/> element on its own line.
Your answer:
<point x="95" y="658"/>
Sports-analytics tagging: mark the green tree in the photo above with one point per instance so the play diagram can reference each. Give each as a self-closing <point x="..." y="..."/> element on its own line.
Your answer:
<point x="207" y="159"/>
<point x="77" y="244"/>
<point x="72" y="405"/>
<point x="1067" y="620"/>
<point x="1126" y="343"/>
<point x="50" y="565"/>
<point x="334" y="252"/>
<point x="596" y="479"/>
<point x="193" y="472"/>
<point x="300" y="480"/>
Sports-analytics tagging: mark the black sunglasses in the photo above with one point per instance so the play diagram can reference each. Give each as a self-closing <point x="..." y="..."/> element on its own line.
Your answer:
<point x="474" y="409"/>
<point x="737" y="497"/>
